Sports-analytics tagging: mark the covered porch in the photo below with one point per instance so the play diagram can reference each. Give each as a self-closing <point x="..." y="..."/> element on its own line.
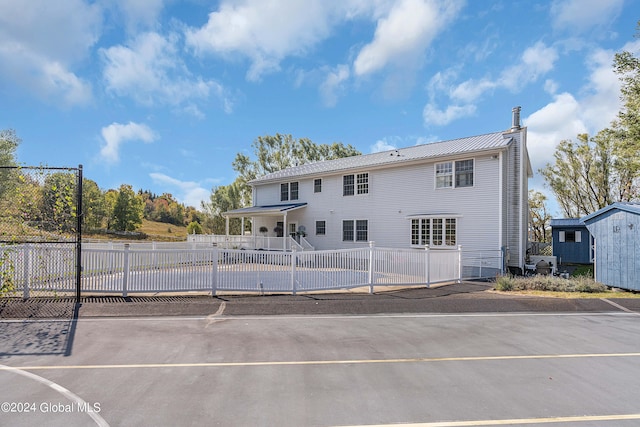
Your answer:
<point x="288" y="236"/>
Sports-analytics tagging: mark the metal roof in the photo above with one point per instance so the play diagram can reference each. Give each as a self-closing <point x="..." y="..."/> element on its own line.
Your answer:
<point x="633" y="207"/>
<point x="472" y="144"/>
<point x="566" y="222"/>
<point x="270" y="210"/>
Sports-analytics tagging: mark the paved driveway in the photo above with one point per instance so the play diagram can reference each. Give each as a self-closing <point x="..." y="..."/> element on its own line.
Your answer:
<point x="247" y="361"/>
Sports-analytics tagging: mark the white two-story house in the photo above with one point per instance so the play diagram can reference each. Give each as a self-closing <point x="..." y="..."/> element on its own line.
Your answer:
<point x="470" y="191"/>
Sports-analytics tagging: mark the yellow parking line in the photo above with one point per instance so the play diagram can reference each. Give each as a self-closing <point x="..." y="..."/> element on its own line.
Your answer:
<point x="516" y="421"/>
<point x="326" y="362"/>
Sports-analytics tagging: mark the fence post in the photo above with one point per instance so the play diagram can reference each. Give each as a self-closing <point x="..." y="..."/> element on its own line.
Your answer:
<point x="214" y="272"/>
<point x="27" y="271"/>
<point x="125" y="275"/>
<point x="459" y="263"/>
<point x="294" y="259"/>
<point x="372" y="245"/>
<point x="427" y="264"/>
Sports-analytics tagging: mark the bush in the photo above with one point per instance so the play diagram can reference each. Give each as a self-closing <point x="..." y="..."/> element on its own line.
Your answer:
<point x="548" y="283"/>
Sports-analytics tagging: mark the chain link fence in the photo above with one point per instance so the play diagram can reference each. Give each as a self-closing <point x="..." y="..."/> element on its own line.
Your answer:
<point x="40" y="231"/>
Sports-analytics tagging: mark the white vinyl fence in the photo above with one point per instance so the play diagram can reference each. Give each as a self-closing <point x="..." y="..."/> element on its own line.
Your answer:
<point x="152" y="268"/>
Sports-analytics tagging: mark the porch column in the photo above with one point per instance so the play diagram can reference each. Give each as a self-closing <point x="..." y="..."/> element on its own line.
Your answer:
<point x="226" y="229"/>
<point x="242" y="226"/>
<point x="285" y="233"/>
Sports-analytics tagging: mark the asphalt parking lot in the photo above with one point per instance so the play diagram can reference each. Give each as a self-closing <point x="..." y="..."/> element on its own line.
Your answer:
<point x="450" y="356"/>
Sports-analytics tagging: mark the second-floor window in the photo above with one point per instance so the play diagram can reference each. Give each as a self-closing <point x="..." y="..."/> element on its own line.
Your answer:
<point x="317" y="185"/>
<point x="355" y="184"/>
<point x="288" y="191"/>
<point x="461" y="170"/>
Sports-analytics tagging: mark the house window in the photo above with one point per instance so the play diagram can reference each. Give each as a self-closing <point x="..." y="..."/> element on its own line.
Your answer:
<point x="363" y="183"/>
<point x="288" y="191"/>
<point x="348" y="185"/>
<point x="321" y="228"/>
<point x="355" y="184"/>
<point x="357" y="230"/>
<point x="434" y="232"/>
<point x="444" y="175"/>
<point x="362" y="230"/>
<point x="420" y="231"/>
<point x="347" y="231"/>
<point x="462" y="170"/>
<point x="464" y="173"/>
<point x="317" y="185"/>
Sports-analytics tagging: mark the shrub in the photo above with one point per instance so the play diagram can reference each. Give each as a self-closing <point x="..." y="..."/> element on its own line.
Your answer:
<point x="549" y="283"/>
<point x="504" y="283"/>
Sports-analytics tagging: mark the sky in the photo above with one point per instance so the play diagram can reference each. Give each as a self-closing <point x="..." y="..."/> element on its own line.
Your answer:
<point x="162" y="94"/>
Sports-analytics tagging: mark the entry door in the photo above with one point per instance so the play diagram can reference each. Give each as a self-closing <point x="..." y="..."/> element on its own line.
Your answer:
<point x="280" y="227"/>
<point x="293" y="227"/>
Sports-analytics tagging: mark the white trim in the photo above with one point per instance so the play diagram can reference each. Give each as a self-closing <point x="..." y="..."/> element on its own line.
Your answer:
<point x="500" y="201"/>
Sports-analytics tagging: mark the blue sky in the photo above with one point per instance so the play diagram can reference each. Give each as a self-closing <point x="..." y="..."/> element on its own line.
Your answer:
<point x="162" y="94"/>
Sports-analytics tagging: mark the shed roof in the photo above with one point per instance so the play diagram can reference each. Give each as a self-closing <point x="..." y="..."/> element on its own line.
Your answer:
<point x="566" y="222"/>
<point x="632" y="207"/>
<point x="472" y="144"/>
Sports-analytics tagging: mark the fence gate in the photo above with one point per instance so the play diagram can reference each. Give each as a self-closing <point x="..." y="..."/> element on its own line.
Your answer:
<point x="40" y="231"/>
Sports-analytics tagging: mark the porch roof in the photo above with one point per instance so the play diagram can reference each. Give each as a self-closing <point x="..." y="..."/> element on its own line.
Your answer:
<point x="266" y="210"/>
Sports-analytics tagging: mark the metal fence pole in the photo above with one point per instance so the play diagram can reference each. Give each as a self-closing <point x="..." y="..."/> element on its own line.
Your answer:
<point x="79" y="218"/>
<point x="125" y="275"/>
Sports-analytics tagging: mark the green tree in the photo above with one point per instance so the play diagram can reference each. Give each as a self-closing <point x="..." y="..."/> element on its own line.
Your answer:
<point x="94" y="206"/>
<point x="224" y="198"/>
<point x="625" y="130"/>
<point x="9" y="142"/>
<point x="581" y="175"/>
<point x="539" y="217"/>
<point x="59" y="202"/>
<point x="127" y="211"/>
<point x="278" y="152"/>
<point x="194" y="228"/>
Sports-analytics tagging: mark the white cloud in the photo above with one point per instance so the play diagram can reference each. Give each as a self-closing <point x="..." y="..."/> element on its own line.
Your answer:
<point x="263" y="31"/>
<point x="583" y="15"/>
<point x="382" y="145"/>
<point x="139" y="13"/>
<point x="535" y="61"/>
<point x="434" y="116"/>
<point x="189" y="192"/>
<point x="116" y="134"/>
<point x="267" y="32"/>
<point x="402" y="36"/>
<point x="151" y="71"/>
<point x="334" y="84"/>
<point x="41" y="41"/>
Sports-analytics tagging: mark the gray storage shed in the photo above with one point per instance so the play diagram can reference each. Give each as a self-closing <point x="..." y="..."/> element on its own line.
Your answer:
<point x="616" y="231"/>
